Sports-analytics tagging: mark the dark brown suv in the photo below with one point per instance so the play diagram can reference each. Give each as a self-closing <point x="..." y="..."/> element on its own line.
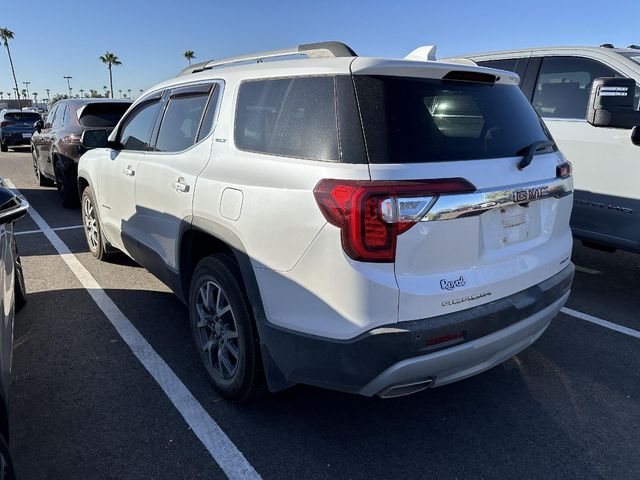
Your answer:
<point x="56" y="146"/>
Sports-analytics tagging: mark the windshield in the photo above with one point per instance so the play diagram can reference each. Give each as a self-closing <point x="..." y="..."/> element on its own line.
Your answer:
<point x="22" y="117"/>
<point x="411" y="120"/>
<point x="102" y="115"/>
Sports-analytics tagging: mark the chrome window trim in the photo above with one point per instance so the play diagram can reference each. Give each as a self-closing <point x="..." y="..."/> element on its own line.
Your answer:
<point x="450" y="207"/>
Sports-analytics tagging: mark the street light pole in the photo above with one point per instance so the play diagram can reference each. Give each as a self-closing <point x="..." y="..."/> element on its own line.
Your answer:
<point x="67" y="78"/>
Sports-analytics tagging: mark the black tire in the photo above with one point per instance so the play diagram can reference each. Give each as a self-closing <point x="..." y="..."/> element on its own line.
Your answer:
<point x="20" y="288"/>
<point x="98" y="245"/>
<point x="42" y="180"/>
<point x="246" y="379"/>
<point x="4" y="147"/>
<point x="67" y="186"/>
<point x="5" y="461"/>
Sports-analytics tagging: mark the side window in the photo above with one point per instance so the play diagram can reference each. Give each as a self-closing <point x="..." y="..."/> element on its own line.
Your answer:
<point x="51" y="117"/>
<point x="181" y="120"/>
<point x="60" y="114"/>
<point x="564" y="84"/>
<point x="212" y="106"/>
<point x="294" y="117"/>
<point x="135" y="132"/>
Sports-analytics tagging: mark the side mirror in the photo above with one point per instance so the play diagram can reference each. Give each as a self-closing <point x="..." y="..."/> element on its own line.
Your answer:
<point x="635" y="136"/>
<point x="12" y="207"/>
<point x="611" y="103"/>
<point x="38" y="125"/>
<point x="95" y="138"/>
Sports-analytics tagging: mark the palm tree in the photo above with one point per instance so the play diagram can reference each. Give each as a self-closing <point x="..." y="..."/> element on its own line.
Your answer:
<point x="129" y="93"/>
<point x="189" y="55"/>
<point x="1" y="95"/>
<point x="120" y="93"/>
<point x="9" y="95"/>
<point x="81" y="92"/>
<point x="35" y="97"/>
<point x="110" y="59"/>
<point x="47" y="90"/>
<point x="24" y="93"/>
<point x="6" y="35"/>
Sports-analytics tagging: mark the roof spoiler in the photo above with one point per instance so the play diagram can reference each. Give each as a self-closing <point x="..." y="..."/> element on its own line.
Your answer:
<point x="316" y="50"/>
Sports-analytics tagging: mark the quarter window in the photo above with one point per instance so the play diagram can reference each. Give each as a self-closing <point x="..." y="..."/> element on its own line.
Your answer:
<point x="293" y="117"/>
<point x="136" y="129"/>
<point x="181" y="119"/>
<point x="564" y="85"/>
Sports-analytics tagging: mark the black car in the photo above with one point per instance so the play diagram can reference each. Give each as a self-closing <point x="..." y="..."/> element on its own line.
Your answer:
<point x="56" y="146"/>
<point x="16" y="128"/>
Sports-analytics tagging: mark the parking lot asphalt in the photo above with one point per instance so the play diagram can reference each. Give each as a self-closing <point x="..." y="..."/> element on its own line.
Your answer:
<point x="83" y="406"/>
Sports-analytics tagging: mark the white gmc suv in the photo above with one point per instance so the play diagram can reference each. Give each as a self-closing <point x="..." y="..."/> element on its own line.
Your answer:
<point x="368" y="225"/>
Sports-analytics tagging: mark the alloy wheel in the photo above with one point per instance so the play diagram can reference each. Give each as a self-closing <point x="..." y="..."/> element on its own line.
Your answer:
<point x="90" y="223"/>
<point x="217" y="334"/>
<point x="35" y="165"/>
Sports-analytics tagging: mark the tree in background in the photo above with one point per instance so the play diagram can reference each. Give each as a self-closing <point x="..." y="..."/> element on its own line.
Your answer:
<point x="56" y="98"/>
<point x="1" y="95"/>
<point x="6" y="35"/>
<point x="189" y="55"/>
<point x="110" y="59"/>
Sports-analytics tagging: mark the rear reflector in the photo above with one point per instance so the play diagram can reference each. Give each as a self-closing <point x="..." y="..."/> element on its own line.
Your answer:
<point x="439" y="341"/>
<point x="371" y="214"/>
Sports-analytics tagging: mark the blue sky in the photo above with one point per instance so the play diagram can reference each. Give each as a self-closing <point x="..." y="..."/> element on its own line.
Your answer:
<point x="66" y="37"/>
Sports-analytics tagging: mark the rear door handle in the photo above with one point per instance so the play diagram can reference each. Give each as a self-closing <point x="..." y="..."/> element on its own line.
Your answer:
<point x="130" y="172"/>
<point x="180" y="186"/>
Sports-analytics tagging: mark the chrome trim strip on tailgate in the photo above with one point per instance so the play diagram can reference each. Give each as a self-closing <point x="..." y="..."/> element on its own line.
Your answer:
<point x="449" y="207"/>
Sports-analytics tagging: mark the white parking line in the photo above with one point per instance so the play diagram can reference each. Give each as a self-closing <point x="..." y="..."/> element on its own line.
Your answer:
<point x="603" y="323"/>
<point x="221" y="448"/>
<point x="57" y="229"/>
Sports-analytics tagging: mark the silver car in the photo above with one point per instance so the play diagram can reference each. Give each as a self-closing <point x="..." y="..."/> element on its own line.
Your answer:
<point x="12" y="298"/>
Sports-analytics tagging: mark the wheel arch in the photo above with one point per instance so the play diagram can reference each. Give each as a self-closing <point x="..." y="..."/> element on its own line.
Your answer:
<point x="204" y="237"/>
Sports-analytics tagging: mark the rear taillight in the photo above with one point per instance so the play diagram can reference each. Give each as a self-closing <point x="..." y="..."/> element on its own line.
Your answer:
<point x="371" y="214"/>
<point x="564" y="170"/>
<point x="5" y="124"/>
<point x="73" y="139"/>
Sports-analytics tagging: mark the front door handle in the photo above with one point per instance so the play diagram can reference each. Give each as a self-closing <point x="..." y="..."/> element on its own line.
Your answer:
<point x="130" y="172"/>
<point x="180" y="186"/>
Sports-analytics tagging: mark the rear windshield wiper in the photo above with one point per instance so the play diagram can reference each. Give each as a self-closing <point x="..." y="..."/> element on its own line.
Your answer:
<point x="531" y="150"/>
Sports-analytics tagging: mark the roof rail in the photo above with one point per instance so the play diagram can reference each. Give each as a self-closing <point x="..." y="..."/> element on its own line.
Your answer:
<point x="320" y="49"/>
<point x="607" y="45"/>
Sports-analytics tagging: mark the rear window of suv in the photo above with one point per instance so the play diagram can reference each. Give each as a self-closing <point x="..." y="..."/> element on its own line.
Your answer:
<point x="22" y="116"/>
<point x="292" y="117"/>
<point x="413" y="120"/>
<point x="102" y="115"/>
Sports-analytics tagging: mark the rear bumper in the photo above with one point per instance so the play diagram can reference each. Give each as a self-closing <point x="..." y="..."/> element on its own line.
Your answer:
<point x="15" y="138"/>
<point x="397" y="354"/>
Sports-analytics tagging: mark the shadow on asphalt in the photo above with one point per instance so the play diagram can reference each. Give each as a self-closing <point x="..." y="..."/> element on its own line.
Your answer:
<point x="525" y="418"/>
